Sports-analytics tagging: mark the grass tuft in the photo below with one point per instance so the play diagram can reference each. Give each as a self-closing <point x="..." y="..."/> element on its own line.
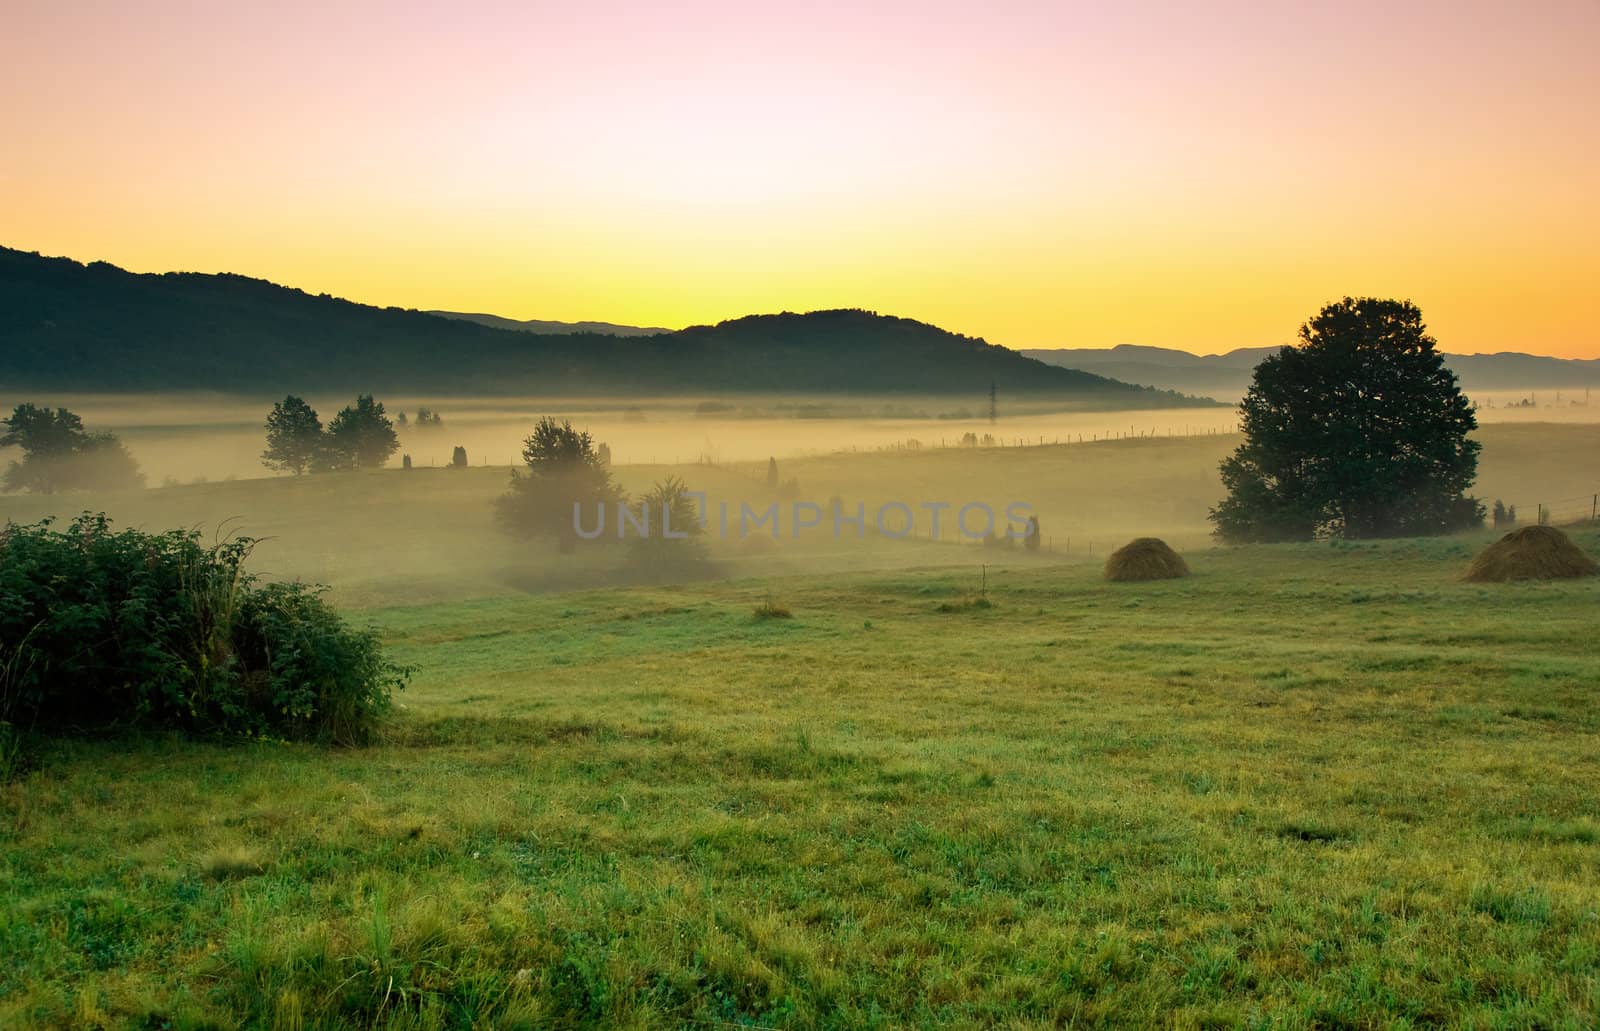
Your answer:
<point x="770" y="608"/>
<point x="232" y="864"/>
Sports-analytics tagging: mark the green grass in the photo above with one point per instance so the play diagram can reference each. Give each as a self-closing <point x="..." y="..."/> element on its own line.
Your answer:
<point x="383" y="538"/>
<point x="1310" y="786"/>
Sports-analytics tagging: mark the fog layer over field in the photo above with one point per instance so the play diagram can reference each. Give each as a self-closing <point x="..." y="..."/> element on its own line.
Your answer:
<point x="392" y="536"/>
<point x="186" y="439"/>
<point x="194" y="438"/>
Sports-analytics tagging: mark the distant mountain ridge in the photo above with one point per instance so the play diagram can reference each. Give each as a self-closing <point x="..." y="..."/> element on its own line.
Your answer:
<point x="1227" y="375"/>
<point x="69" y="327"/>
<point x="549" y="328"/>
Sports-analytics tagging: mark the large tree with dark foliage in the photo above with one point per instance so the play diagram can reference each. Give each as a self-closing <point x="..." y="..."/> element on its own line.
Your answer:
<point x="1360" y="431"/>
<point x="564" y="472"/>
<point x="294" y="436"/>
<point x="360" y="436"/>
<point x="58" y="454"/>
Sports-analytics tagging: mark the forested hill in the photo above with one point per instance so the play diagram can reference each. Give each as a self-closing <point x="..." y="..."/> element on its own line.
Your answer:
<point x="1228" y="375"/>
<point x="71" y="327"/>
<point x="550" y="328"/>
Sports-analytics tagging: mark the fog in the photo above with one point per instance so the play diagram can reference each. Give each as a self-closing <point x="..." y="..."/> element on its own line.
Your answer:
<point x="189" y="439"/>
<point x="387" y="537"/>
<point x="197" y="438"/>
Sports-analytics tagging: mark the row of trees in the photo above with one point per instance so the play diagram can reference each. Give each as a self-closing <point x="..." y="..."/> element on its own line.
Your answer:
<point x="427" y="419"/>
<point x="361" y="436"/>
<point x="60" y="454"/>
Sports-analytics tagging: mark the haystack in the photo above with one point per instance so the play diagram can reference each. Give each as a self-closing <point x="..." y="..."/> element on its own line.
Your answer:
<point x="1147" y="558"/>
<point x="1531" y="553"/>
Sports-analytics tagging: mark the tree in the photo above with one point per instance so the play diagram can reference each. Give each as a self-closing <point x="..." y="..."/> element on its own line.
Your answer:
<point x="458" y="458"/>
<point x="670" y="507"/>
<point x="772" y="472"/>
<point x="44" y="432"/>
<point x="294" y="436"/>
<point x="565" y="479"/>
<point x="360" y="436"/>
<point x="1360" y="431"/>
<point x="60" y="455"/>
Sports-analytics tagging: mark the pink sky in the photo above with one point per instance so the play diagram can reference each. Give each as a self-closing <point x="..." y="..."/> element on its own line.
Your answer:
<point x="1042" y="175"/>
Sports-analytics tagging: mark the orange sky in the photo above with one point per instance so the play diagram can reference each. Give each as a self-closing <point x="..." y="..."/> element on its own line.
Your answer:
<point x="1194" y="176"/>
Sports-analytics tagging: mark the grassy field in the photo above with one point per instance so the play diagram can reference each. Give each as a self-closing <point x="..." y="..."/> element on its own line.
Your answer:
<point x="1311" y="786"/>
<point x="386" y="538"/>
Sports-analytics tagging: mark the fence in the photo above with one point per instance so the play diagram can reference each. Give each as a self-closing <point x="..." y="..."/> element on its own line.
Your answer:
<point x="1562" y="512"/>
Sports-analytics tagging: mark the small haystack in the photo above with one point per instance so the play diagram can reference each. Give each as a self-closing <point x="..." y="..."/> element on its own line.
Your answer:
<point x="1531" y="553"/>
<point x="1147" y="558"/>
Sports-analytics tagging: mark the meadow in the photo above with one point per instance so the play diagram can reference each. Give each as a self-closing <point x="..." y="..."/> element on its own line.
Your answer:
<point x="386" y="537"/>
<point x="1311" y="786"/>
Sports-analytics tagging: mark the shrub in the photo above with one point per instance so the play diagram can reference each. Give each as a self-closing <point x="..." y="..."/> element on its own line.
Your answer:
<point x="656" y="556"/>
<point x="105" y="630"/>
<point x="771" y="608"/>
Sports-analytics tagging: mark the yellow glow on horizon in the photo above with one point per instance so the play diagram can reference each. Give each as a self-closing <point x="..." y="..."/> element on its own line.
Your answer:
<point x="1034" y="178"/>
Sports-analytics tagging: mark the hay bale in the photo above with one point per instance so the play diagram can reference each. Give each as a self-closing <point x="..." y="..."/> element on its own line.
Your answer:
<point x="1531" y="553"/>
<point x="1147" y="558"/>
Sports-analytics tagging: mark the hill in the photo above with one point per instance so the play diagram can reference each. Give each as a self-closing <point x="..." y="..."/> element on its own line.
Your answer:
<point x="1228" y="375"/>
<point x="73" y="327"/>
<point x="549" y="328"/>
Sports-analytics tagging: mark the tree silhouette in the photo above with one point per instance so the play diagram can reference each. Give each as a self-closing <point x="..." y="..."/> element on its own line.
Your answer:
<point x="563" y="470"/>
<point x="361" y="436"/>
<point x="1360" y="431"/>
<point x="60" y="455"/>
<point x="772" y="472"/>
<point x="657" y="555"/>
<point x="294" y="436"/>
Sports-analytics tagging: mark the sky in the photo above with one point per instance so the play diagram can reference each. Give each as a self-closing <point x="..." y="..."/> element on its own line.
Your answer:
<point x="1039" y="174"/>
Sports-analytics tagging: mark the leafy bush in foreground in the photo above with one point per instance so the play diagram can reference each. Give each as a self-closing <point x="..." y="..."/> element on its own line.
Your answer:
<point x="103" y="629"/>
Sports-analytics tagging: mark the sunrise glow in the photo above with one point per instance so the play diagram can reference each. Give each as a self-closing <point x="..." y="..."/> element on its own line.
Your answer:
<point x="1067" y="175"/>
